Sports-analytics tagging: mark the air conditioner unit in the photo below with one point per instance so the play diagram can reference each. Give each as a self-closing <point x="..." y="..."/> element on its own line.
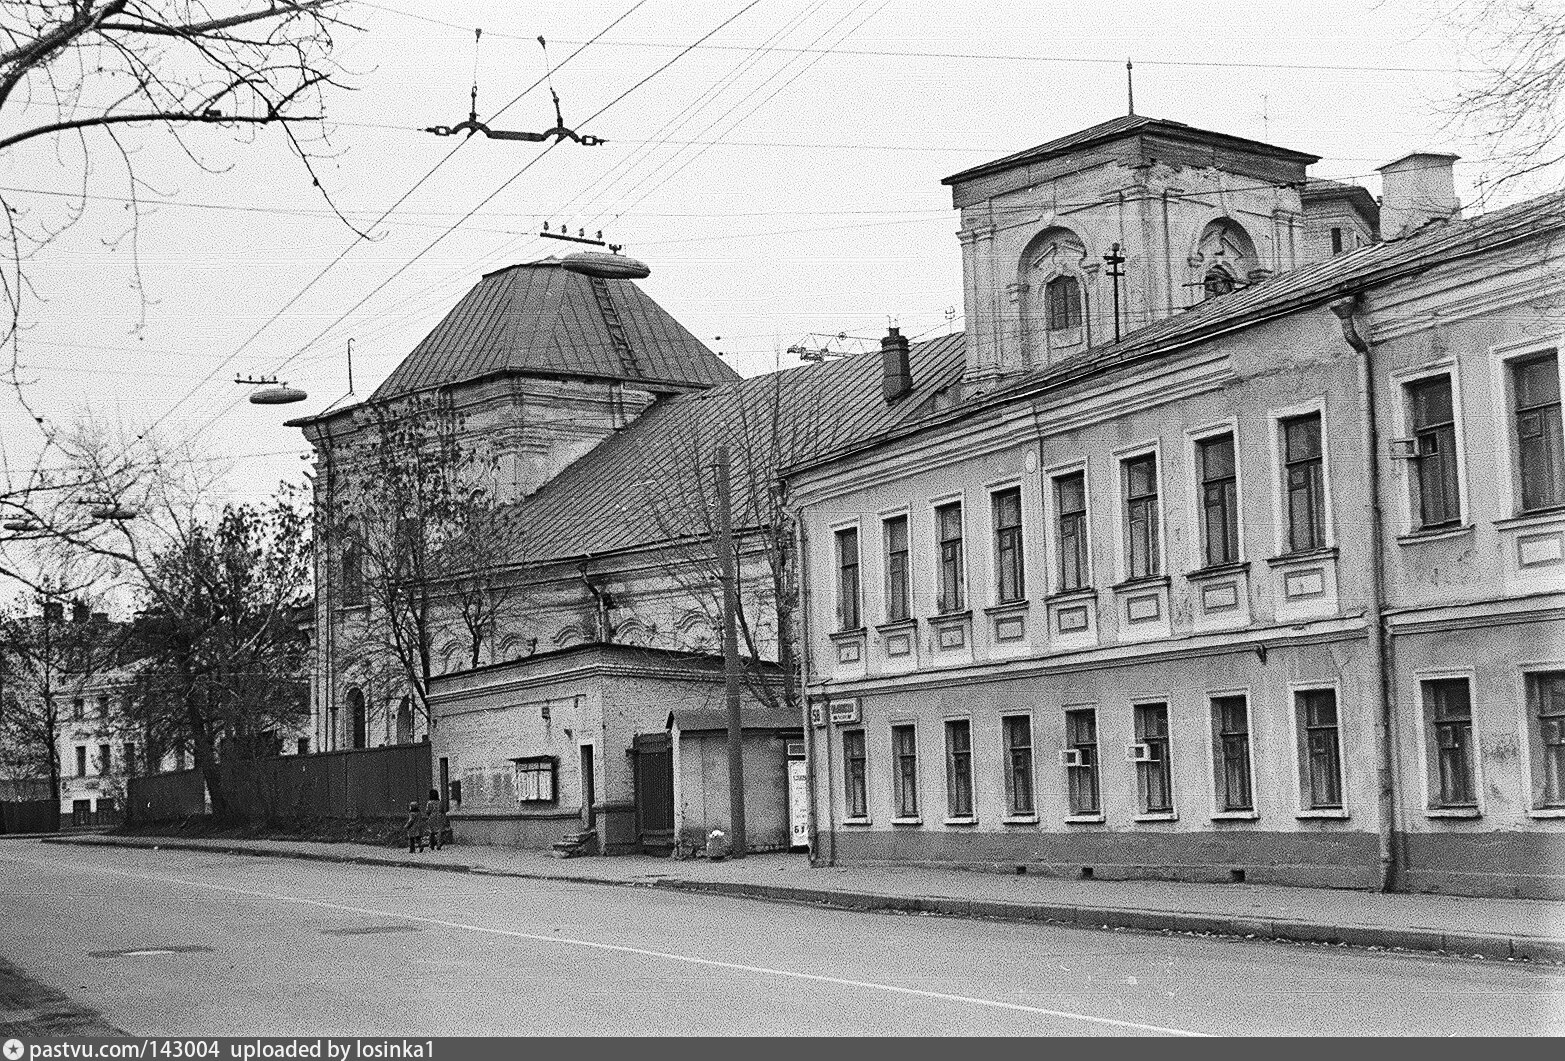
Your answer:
<point x="1403" y="449"/>
<point x="1139" y="753"/>
<point x="1070" y="757"/>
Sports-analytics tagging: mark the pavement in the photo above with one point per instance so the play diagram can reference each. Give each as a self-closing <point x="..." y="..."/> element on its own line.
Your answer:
<point x="1511" y="929"/>
<point x="178" y="943"/>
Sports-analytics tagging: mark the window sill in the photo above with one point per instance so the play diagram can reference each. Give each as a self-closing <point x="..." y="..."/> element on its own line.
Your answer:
<point x="892" y="626"/>
<point x="1007" y="607"/>
<point x="1546" y="812"/>
<point x="965" y="820"/>
<point x="856" y="634"/>
<point x="951" y="617"/>
<point x="1328" y="813"/>
<point x="1032" y="819"/>
<point x="856" y="821"/>
<point x="1144" y="582"/>
<point x="1084" y="819"/>
<point x="1065" y="595"/>
<point x="1305" y="557"/>
<point x="1218" y="571"/>
<point x="1552" y="514"/>
<point x="1434" y="534"/>
<point x="1236" y="816"/>
<point x="907" y="821"/>
<point x="349" y="609"/>
<point x="1157" y="816"/>
<point x="1453" y="812"/>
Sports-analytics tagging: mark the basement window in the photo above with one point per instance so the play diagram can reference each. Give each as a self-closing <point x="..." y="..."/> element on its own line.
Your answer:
<point x="536" y="777"/>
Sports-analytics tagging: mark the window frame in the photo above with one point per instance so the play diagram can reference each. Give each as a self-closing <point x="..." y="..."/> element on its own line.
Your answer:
<point x="902" y="785"/>
<point x="959" y="769"/>
<point x="887" y="596"/>
<point x="1158" y="554"/>
<point x="1092" y="771"/>
<point x="1144" y="806"/>
<point x="848" y="775"/>
<point x="944" y="607"/>
<point x="1054" y="538"/>
<point x="1014" y="811"/>
<point x="1221" y="803"/>
<point x="1197" y="439"/>
<point x="1282" y="541"/>
<point x="535" y="766"/>
<point x="1405" y="381"/>
<point x="1538" y="805"/>
<point x="848" y="607"/>
<point x="1301" y="774"/>
<point x="1501" y="357"/>
<point x="1430" y="746"/>
<point x="1075" y="309"/>
<point x="997" y="540"/>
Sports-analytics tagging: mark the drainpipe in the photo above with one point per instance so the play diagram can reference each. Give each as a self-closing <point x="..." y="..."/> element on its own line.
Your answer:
<point x="803" y="656"/>
<point x="1346" y="310"/>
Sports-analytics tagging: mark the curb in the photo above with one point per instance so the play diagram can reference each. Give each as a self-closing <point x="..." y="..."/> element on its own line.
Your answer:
<point x="1464" y="944"/>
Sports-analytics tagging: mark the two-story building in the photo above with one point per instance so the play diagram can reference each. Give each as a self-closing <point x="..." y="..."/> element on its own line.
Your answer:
<point x="1270" y="589"/>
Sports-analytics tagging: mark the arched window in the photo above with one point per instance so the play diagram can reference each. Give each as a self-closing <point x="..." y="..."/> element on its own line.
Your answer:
<point x="358" y="718"/>
<point x="405" y="721"/>
<point x="1225" y="257"/>
<point x="1062" y="303"/>
<point x="352" y="565"/>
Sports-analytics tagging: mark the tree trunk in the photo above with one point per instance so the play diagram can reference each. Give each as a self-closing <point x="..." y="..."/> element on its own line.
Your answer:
<point x="205" y="754"/>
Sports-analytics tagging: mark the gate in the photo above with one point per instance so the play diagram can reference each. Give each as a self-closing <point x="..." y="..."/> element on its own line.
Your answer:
<point x="653" y="756"/>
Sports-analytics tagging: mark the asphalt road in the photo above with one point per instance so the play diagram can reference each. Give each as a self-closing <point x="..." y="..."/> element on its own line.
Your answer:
<point x="187" y="943"/>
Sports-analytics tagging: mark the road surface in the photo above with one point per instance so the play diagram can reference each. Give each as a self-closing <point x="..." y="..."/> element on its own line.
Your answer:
<point x="190" y="943"/>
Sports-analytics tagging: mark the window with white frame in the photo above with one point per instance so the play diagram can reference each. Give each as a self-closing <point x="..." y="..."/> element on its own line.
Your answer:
<point x="1304" y="482"/>
<point x="1006" y="506"/>
<point x="1540" y="444"/>
<point x="1231" y="753"/>
<point x="1081" y="760"/>
<point x="536" y="777"/>
<point x="904" y="766"/>
<point x="1017" y="731"/>
<point x="959" y="768"/>
<point x="1320" y="749"/>
<point x="1546" y="717"/>
<point x="848" y="579"/>
<point x="1062" y="303"/>
<point x="1435" y="482"/>
<point x="1070" y="513"/>
<point x="1143" y="557"/>
<point x="898" y="590"/>
<point x="1448" y="724"/>
<point x="1219" y="499"/>
<point x="948" y="529"/>
<point x="855" y="799"/>
<point x="1151" y="754"/>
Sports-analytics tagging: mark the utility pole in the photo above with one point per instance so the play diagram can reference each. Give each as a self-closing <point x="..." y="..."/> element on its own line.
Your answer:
<point x="725" y="545"/>
<point x="1115" y="259"/>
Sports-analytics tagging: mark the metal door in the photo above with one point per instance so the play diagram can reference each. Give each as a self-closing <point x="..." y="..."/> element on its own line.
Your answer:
<point x="653" y="756"/>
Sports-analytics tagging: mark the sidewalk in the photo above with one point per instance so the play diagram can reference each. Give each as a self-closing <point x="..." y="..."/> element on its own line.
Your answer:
<point x="1491" y="928"/>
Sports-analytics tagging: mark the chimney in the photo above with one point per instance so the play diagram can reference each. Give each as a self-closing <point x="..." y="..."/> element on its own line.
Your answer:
<point x="896" y="374"/>
<point x="1416" y="189"/>
<point x="79" y="612"/>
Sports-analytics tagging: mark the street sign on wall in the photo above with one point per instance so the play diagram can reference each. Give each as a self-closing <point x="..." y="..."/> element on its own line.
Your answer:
<point x="844" y="712"/>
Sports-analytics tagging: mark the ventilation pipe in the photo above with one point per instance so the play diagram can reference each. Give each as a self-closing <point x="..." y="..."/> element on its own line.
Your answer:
<point x="897" y="373"/>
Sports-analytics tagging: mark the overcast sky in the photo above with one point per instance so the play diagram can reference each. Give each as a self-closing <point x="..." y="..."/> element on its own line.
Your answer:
<point x="782" y="180"/>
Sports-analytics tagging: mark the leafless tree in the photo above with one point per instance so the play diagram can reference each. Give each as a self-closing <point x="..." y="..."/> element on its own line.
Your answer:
<point x="1516" y="101"/>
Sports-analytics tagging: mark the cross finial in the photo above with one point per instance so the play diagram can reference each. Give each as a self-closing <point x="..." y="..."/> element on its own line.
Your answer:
<point x="1130" y="89"/>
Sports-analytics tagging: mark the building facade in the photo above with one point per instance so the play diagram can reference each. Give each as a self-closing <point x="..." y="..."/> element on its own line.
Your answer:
<point x="1269" y="590"/>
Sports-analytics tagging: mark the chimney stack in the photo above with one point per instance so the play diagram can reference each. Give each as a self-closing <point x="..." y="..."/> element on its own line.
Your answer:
<point x="1416" y="189"/>
<point x="79" y="612"/>
<point x="896" y="373"/>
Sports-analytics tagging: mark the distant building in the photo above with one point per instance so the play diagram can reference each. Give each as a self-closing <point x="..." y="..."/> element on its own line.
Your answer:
<point x="1270" y="590"/>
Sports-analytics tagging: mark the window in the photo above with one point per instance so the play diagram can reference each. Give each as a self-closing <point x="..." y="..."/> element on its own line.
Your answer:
<point x="1081" y="760"/>
<point x="1153" y="783"/>
<point x="1336" y="241"/>
<point x="105" y="760"/>
<point x="1321" y="755"/>
<point x="78" y="709"/>
<point x="81" y="760"/>
<point x="1017" y="730"/>
<point x="1219" y="499"/>
<point x="304" y="746"/>
<point x="1546" y="703"/>
<point x="855" y="797"/>
<point x="535" y="778"/>
<point x="1140" y="474"/>
<point x="1540" y="451"/>
<point x="1448" y="711"/>
<point x="1070" y="503"/>
<point x="1305" y="483"/>
<point x="352" y="565"/>
<point x="103" y="707"/>
<point x="128" y="759"/>
<point x="904" y="761"/>
<point x="948" y="525"/>
<point x="959" y="768"/>
<point x="1062" y="303"/>
<point x="1231" y="729"/>
<point x="898" y="594"/>
<point x="848" y="579"/>
<point x="1436" y="493"/>
<point x="1007" y="505"/>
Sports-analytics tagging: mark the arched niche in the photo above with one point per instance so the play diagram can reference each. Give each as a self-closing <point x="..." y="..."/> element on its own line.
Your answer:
<point x="1051" y="291"/>
<point x="1224" y="258"/>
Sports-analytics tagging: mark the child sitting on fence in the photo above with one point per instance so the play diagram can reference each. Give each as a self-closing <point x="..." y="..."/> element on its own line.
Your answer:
<point x="415" y="827"/>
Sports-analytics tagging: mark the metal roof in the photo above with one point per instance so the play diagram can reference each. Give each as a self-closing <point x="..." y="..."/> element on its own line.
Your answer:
<point x="542" y="318"/>
<point x="1120" y="128"/>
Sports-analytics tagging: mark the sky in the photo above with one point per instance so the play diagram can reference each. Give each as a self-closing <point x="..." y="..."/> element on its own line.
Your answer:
<point x="782" y="181"/>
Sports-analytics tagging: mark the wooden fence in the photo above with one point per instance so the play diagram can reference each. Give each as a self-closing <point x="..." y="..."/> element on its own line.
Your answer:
<point x="30" y="816"/>
<point x="365" y="783"/>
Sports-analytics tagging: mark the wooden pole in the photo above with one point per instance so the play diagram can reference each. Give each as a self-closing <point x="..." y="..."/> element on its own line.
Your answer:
<point x="729" y="575"/>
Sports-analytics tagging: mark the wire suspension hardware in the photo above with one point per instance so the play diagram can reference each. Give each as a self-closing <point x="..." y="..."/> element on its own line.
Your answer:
<point x="272" y="391"/>
<point x="580" y="237"/>
<point x="559" y="133"/>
